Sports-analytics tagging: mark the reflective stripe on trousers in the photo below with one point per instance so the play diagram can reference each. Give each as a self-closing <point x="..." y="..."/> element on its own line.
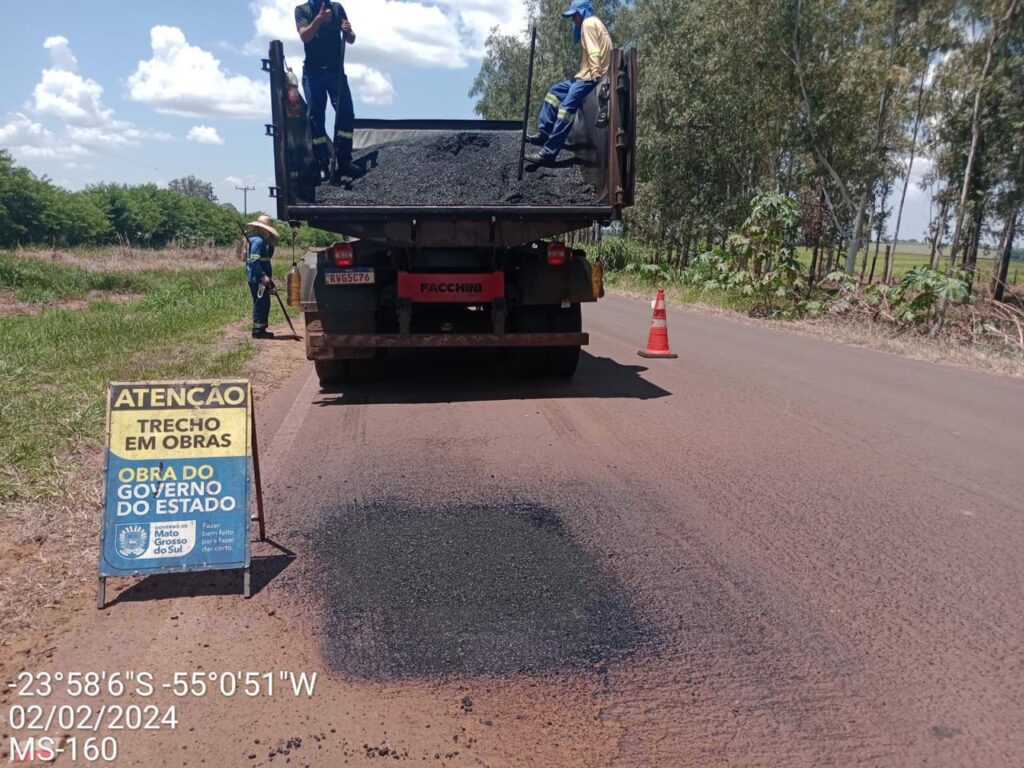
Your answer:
<point x="260" y="307"/>
<point x="319" y="88"/>
<point x="558" y="112"/>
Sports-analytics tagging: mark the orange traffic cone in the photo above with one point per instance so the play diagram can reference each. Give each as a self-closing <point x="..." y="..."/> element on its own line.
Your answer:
<point x="657" y="341"/>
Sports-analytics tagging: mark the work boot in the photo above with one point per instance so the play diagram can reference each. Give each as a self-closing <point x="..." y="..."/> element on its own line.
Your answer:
<point x="263" y="334"/>
<point x="537" y="139"/>
<point x="539" y="158"/>
<point x="347" y="170"/>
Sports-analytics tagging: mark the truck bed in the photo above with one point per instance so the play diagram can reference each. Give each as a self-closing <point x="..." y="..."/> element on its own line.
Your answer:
<point x="454" y="183"/>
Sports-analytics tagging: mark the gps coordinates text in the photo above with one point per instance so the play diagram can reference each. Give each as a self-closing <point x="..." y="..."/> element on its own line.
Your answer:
<point x="78" y="715"/>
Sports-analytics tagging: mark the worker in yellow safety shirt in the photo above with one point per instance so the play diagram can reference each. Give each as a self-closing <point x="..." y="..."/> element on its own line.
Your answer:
<point x="559" y="109"/>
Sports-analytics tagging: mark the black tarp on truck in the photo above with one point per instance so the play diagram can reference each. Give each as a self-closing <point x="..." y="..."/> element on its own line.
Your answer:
<point x="445" y="246"/>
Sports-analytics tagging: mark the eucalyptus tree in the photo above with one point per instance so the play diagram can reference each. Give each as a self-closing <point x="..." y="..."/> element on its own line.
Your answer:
<point x="1002" y="17"/>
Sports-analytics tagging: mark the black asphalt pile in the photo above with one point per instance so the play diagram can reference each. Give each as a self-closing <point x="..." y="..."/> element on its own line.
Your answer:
<point x="456" y="169"/>
<point x="433" y="591"/>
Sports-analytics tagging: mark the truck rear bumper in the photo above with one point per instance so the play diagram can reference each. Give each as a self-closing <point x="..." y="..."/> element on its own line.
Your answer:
<point x="321" y="345"/>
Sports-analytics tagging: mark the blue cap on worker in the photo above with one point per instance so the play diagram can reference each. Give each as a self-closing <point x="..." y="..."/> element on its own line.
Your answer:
<point x="582" y="7"/>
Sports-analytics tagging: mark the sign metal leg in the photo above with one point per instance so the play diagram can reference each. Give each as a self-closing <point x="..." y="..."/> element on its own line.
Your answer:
<point x="256" y="477"/>
<point x="247" y="583"/>
<point x="101" y="594"/>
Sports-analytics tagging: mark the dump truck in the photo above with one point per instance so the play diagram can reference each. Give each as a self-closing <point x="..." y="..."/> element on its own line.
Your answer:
<point x="435" y="271"/>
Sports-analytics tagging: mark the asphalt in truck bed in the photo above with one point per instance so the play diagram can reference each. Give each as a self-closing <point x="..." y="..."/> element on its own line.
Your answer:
<point x="457" y="169"/>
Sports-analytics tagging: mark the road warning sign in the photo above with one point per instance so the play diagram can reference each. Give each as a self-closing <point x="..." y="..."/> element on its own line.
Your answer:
<point x="177" y="477"/>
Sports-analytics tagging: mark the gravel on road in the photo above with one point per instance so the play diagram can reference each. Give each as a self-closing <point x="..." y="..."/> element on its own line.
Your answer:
<point x="428" y="591"/>
<point x="457" y="169"/>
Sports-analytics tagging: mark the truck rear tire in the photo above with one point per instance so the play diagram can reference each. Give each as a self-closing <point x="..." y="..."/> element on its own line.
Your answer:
<point x="530" y="361"/>
<point x="331" y="372"/>
<point x="561" y="362"/>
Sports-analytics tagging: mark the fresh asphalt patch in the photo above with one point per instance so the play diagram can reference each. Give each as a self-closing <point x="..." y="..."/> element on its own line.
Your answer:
<point x="457" y="169"/>
<point x="433" y="591"/>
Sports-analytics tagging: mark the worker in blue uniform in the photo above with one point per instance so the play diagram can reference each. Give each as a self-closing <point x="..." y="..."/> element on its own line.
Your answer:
<point x="325" y="30"/>
<point x="563" y="100"/>
<point x="262" y="239"/>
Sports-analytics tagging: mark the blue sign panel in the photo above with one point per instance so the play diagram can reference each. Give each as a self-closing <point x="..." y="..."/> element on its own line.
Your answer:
<point x="177" y="477"/>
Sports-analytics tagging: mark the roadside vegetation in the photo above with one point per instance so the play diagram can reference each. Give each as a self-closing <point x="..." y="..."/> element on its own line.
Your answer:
<point x="759" y="272"/>
<point x="69" y="323"/>
<point x="35" y="281"/>
<point x="54" y="363"/>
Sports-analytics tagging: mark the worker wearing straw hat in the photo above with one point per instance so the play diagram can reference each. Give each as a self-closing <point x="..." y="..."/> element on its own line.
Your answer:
<point x="262" y="238"/>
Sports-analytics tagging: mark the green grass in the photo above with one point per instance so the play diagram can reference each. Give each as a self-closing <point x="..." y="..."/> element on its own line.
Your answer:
<point x="617" y="253"/>
<point x="54" y="365"/>
<point x="909" y="255"/>
<point x="35" y="280"/>
<point x="632" y="283"/>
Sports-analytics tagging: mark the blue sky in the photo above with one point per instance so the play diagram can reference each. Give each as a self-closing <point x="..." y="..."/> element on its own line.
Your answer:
<point x="151" y="91"/>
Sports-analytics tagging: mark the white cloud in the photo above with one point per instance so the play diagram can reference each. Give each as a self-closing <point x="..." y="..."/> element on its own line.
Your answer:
<point x="77" y="102"/>
<point x="22" y="130"/>
<point x="204" y="134"/>
<point x="101" y="137"/>
<point x="387" y="32"/>
<point x="448" y="34"/>
<point x="60" y="53"/>
<point x="27" y="139"/>
<point x="478" y="17"/>
<point x="66" y="95"/>
<point x="919" y="177"/>
<point x="183" y="79"/>
<point x="369" y="85"/>
<point x="117" y="134"/>
<point x="57" y="151"/>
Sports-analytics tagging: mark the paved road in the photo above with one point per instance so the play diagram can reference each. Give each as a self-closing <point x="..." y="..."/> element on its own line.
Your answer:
<point x="773" y="550"/>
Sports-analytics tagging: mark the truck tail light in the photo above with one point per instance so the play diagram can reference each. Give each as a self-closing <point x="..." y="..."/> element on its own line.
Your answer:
<point x="556" y="254"/>
<point x="343" y="255"/>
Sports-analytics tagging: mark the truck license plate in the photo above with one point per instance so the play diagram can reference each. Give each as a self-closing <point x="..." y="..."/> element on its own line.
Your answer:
<point x="349" y="277"/>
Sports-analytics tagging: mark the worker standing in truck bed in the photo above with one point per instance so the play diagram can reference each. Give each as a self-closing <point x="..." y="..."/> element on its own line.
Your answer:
<point x="325" y="29"/>
<point x="559" y="109"/>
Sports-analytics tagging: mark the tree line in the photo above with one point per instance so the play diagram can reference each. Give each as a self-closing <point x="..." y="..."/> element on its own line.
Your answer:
<point x="34" y="211"/>
<point x="834" y="103"/>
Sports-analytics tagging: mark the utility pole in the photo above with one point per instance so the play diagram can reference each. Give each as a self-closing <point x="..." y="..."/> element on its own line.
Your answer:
<point x="245" y="198"/>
